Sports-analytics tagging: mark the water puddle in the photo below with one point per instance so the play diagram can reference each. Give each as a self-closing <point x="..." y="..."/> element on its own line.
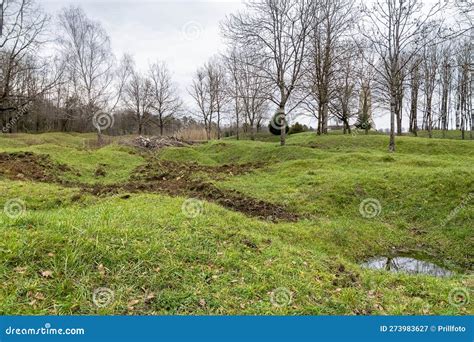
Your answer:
<point x="406" y="265"/>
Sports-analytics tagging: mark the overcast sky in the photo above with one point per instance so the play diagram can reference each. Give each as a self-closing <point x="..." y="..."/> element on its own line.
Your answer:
<point x="184" y="34"/>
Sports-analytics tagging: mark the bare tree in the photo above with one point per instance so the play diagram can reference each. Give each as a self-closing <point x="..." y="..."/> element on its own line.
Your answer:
<point x="86" y="49"/>
<point x="430" y="72"/>
<point x="344" y="93"/>
<point x="252" y="88"/>
<point x="218" y="94"/>
<point x="332" y="24"/>
<point x="139" y="99"/>
<point x="415" y="82"/>
<point x="232" y="64"/>
<point x="200" y="92"/>
<point x="24" y="76"/>
<point x="279" y="31"/>
<point x="122" y="76"/>
<point x="446" y="84"/>
<point x="166" y="102"/>
<point x="464" y="120"/>
<point x="394" y="28"/>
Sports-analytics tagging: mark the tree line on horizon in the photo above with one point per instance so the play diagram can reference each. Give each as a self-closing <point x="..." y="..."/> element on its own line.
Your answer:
<point x="284" y="60"/>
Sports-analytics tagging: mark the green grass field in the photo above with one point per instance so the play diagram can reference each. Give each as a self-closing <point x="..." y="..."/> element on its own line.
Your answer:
<point x="62" y="242"/>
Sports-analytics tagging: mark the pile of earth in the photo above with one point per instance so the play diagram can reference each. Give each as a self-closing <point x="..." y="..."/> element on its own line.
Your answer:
<point x="30" y="166"/>
<point x="154" y="143"/>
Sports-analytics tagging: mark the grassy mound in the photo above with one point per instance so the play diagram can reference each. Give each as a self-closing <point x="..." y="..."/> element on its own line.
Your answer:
<point x="156" y="258"/>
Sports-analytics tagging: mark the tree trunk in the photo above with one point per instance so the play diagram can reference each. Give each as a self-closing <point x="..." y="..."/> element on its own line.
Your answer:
<point x="429" y="116"/>
<point x="219" y="125"/>
<point x="319" y="131"/>
<point x="237" y="117"/>
<point x="161" y="126"/>
<point x="252" y="131"/>
<point x="414" y="109"/>
<point x="140" y="128"/>
<point x="400" y="116"/>
<point x="99" y="137"/>
<point x="282" y="115"/>
<point x="325" y="118"/>
<point x="393" y="108"/>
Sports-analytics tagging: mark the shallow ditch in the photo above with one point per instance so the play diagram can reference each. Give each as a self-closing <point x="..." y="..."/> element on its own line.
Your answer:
<point x="157" y="176"/>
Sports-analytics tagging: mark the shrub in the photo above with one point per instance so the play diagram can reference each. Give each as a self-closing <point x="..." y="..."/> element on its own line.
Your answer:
<point x="298" y="128"/>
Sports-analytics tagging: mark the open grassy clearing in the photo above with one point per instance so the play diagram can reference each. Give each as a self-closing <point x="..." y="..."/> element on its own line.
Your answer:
<point x="157" y="260"/>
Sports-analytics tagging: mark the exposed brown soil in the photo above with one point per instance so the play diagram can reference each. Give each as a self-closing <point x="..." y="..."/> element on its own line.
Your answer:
<point x="30" y="166"/>
<point x="172" y="178"/>
<point x="183" y="179"/>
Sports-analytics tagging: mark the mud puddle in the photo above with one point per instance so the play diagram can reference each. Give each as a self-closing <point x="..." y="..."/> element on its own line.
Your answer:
<point x="404" y="264"/>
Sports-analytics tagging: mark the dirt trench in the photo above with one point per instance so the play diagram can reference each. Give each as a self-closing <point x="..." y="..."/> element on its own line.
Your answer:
<point x="184" y="179"/>
<point x="157" y="176"/>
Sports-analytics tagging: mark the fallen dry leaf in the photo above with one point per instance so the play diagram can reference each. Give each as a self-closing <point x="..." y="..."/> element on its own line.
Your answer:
<point x="133" y="302"/>
<point x="378" y="307"/>
<point x="39" y="296"/>
<point x="149" y="297"/>
<point x="47" y="274"/>
<point x="101" y="269"/>
<point x="20" y="270"/>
